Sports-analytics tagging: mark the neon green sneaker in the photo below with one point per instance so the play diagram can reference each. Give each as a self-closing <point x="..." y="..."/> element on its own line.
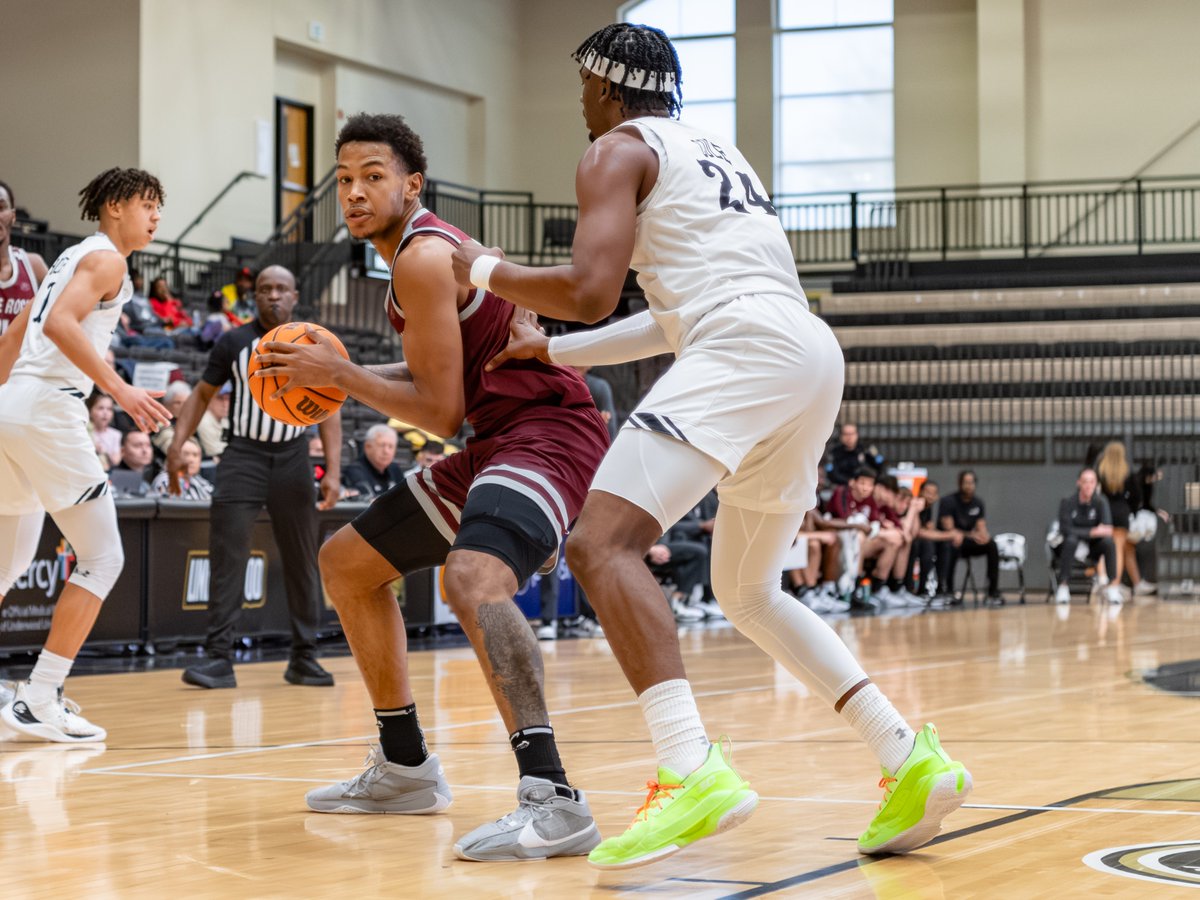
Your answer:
<point x="926" y="789"/>
<point x="676" y="813"/>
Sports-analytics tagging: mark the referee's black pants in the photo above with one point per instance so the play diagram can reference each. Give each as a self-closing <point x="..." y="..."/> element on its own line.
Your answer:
<point x="250" y="475"/>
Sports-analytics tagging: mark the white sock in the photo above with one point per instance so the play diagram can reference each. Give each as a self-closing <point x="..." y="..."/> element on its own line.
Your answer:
<point x="48" y="676"/>
<point x="675" y="727"/>
<point x="878" y="723"/>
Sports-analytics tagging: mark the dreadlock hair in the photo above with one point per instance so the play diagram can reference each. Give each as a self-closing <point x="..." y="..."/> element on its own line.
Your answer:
<point x="116" y="186"/>
<point x="638" y="47"/>
<point x="387" y="129"/>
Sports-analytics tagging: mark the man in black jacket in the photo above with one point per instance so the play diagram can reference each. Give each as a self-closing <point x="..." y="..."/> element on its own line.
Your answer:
<point x="376" y="469"/>
<point x="1085" y="517"/>
<point x="850" y="455"/>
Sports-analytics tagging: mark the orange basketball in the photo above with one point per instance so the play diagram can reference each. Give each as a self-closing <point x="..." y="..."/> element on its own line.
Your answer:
<point x="299" y="406"/>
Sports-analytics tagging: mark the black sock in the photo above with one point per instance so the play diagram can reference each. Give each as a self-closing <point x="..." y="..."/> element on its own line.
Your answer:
<point x="894" y="583"/>
<point x="876" y="584"/>
<point x="400" y="736"/>
<point x="538" y="756"/>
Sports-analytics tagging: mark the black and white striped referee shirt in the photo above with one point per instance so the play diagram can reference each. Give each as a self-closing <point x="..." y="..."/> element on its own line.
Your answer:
<point x="228" y="362"/>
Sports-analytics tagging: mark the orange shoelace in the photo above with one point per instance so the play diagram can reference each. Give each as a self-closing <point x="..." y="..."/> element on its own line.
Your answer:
<point x="655" y="791"/>
<point x="886" y="783"/>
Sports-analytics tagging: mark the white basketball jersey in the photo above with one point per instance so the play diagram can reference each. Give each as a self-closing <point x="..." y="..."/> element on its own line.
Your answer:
<point x="40" y="357"/>
<point x="707" y="231"/>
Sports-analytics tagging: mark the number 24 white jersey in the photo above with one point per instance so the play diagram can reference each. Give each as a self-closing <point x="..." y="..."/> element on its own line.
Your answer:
<point x="707" y="232"/>
<point x="40" y="356"/>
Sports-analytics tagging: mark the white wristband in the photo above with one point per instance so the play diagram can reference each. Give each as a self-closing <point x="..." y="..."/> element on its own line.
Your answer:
<point x="481" y="271"/>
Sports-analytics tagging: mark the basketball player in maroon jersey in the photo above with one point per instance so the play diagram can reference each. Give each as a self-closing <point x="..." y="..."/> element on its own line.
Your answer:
<point x="20" y="272"/>
<point x="491" y="514"/>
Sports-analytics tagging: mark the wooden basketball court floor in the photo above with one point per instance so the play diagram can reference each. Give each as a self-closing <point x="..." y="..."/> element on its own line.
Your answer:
<point x="201" y="794"/>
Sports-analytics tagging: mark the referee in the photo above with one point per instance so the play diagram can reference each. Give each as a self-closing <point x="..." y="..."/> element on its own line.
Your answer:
<point x="266" y="462"/>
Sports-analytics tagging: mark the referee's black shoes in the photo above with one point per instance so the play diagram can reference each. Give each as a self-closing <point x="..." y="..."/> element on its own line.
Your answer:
<point x="212" y="673"/>
<point x="307" y="671"/>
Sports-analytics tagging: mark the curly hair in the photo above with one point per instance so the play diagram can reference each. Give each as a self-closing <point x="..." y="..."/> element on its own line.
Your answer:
<point x="638" y="47"/>
<point x="12" y="201"/>
<point x="118" y="185"/>
<point x="387" y="129"/>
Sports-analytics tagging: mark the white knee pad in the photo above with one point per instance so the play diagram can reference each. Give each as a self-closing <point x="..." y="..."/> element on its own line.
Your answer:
<point x="91" y="530"/>
<point x="18" y="546"/>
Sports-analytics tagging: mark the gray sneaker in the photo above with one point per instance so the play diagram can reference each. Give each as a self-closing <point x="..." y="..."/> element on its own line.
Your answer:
<point x="386" y="788"/>
<point x="543" y="825"/>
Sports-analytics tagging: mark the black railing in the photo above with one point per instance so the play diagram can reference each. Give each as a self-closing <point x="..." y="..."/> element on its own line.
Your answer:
<point x="1001" y="220"/>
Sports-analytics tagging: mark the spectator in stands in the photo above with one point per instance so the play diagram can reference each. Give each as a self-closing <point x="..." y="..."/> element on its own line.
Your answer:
<point x="925" y="554"/>
<point x="850" y="455"/>
<point x="106" y="439"/>
<point x="963" y="516"/>
<point x="167" y="307"/>
<point x="176" y="395"/>
<point x="821" y="538"/>
<point x="854" y="503"/>
<point x="686" y="564"/>
<point x="216" y="323"/>
<point x="192" y="485"/>
<point x="425" y="456"/>
<point x="602" y="396"/>
<point x="138" y="316"/>
<point x="238" y="298"/>
<point x="210" y="433"/>
<point x="376" y="469"/>
<point x="897" y="515"/>
<point x="1122" y="489"/>
<point x="1084" y="516"/>
<point x="131" y="477"/>
<point x="1149" y="475"/>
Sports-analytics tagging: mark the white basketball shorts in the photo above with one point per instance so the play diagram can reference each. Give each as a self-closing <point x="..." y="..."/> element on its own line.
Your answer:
<point x="47" y="459"/>
<point x="758" y="389"/>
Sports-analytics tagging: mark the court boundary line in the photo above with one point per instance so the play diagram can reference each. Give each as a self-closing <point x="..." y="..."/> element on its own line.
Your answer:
<point x="860" y="861"/>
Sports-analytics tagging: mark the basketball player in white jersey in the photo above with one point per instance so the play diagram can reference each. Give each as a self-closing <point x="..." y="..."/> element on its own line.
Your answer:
<point x="20" y="272"/>
<point x="747" y="405"/>
<point x="50" y="359"/>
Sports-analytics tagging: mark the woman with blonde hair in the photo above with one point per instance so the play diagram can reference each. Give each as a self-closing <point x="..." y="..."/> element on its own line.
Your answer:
<point x="1124" y="494"/>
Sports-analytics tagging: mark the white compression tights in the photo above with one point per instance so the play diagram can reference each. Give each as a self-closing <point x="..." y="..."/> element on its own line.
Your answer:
<point x="667" y="478"/>
<point x="91" y="530"/>
<point x="18" y="545"/>
<point x="747" y="560"/>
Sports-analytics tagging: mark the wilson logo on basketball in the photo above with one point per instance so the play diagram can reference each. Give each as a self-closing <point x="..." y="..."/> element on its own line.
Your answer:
<point x="1177" y="863"/>
<point x="306" y="406"/>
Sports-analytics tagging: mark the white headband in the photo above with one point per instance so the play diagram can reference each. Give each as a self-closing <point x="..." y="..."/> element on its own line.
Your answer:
<point x="642" y="79"/>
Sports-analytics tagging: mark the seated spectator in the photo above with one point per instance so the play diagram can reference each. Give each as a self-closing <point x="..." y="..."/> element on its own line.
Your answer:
<point x="850" y="455"/>
<point x="167" y="307"/>
<point x="821" y="537"/>
<point x="1122" y="488"/>
<point x="425" y="456"/>
<point x="376" y="469"/>
<point x="174" y="398"/>
<point x="211" y="430"/>
<point x="686" y="563"/>
<point x="964" y="517"/>
<point x="131" y="477"/>
<point x="238" y="299"/>
<point x="192" y="485"/>
<point x="697" y="525"/>
<point x="216" y="323"/>
<point x="854" y="503"/>
<point x="1084" y="517"/>
<point x="904" y="513"/>
<point x="106" y="438"/>
<point x="925" y="546"/>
